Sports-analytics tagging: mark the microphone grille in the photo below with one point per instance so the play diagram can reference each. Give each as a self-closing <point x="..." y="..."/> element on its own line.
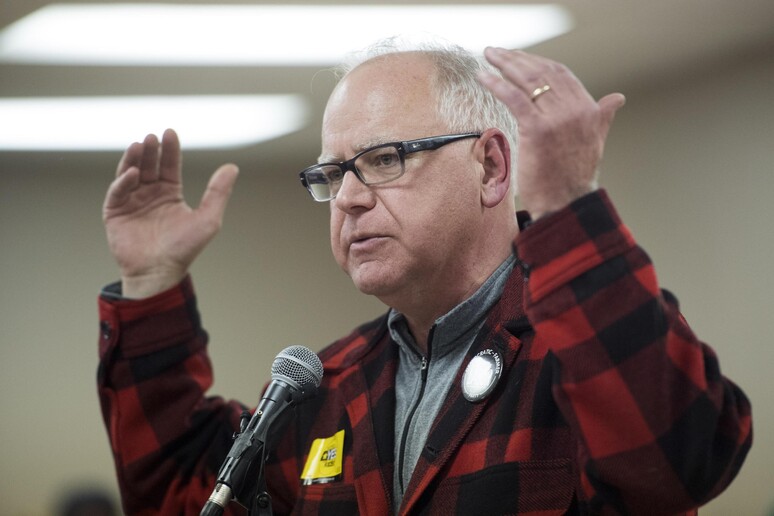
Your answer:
<point x="299" y="364"/>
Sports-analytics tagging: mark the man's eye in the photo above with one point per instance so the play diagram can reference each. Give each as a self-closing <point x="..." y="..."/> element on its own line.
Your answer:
<point x="384" y="159"/>
<point x="335" y="175"/>
<point x="388" y="159"/>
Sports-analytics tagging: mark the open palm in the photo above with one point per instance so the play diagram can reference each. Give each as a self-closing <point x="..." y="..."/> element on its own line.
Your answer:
<point x="152" y="233"/>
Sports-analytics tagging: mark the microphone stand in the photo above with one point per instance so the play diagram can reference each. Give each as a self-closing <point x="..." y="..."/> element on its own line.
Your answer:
<point x="247" y="459"/>
<point x="256" y="498"/>
<point x="261" y="502"/>
<point x="257" y="435"/>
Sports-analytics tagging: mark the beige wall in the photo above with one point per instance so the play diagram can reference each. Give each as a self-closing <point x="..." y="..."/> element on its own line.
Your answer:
<point x="691" y="166"/>
<point x="688" y="164"/>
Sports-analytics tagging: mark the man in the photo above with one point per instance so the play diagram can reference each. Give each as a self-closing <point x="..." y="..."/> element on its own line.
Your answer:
<point x="519" y="370"/>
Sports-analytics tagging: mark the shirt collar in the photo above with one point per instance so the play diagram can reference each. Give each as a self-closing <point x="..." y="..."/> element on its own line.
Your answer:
<point x="462" y="320"/>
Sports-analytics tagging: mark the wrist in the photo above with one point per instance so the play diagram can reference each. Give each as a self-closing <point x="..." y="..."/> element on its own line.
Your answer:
<point x="148" y="285"/>
<point x="542" y="206"/>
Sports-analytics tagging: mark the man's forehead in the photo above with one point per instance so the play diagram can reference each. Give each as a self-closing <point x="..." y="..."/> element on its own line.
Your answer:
<point x="384" y="99"/>
<point x="398" y="59"/>
<point x="399" y="69"/>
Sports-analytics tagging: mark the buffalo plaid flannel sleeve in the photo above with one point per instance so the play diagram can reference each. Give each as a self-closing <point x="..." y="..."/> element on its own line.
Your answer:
<point x="656" y="423"/>
<point x="168" y="439"/>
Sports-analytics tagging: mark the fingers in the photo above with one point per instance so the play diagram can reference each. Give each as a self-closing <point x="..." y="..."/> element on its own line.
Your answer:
<point x="131" y="158"/>
<point x="506" y="92"/>
<point x="144" y="156"/>
<point x="530" y="74"/>
<point x="524" y="76"/>
<point x="170" y="163"/>
<point x="154" y="161"/>
<point x="217" y="194"/>
<point x="149" y="162"/>
<point x="525" y="71"/>
<point x="120" y="189"/>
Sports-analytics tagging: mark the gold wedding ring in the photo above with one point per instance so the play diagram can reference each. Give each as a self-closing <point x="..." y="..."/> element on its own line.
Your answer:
<point x="538" y="92"/>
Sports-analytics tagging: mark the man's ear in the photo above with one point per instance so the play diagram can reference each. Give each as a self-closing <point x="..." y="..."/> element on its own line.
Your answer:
<point x="494" y="154"/>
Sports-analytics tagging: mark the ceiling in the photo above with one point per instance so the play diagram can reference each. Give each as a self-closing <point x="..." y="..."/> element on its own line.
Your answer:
<point x="618" y="45"/>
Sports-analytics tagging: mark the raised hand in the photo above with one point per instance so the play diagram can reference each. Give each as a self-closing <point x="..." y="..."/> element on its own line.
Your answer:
<point x="152" y="233"/>
<point x="562" y="129"/>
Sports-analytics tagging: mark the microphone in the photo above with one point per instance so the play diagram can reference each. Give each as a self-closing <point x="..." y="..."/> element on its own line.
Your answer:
<point x="295" y="375"/>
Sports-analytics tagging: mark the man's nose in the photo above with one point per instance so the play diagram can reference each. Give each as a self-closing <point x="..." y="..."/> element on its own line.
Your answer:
<point x="353" y="193"/>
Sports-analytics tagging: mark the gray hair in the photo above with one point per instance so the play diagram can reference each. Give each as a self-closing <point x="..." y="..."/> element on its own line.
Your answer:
<point x="463" y="102"/>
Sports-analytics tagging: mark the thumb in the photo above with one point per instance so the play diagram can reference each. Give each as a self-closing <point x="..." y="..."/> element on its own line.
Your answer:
<point x="609" y="105"/>
<point x="218" y="192"/>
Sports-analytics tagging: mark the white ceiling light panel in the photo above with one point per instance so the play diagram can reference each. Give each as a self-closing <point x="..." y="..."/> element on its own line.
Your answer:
<point x="112" y="123"/>
<point x="249" y="35"/>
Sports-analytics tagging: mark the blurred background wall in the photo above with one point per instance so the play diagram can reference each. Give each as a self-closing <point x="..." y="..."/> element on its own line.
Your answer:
<point x="688" y="164"/>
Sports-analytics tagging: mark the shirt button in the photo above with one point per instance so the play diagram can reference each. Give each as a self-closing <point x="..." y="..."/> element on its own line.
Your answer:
<point x="104" y="327"/>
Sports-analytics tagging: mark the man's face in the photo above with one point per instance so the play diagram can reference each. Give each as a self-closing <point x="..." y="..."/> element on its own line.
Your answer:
<point x="407" y="237"/>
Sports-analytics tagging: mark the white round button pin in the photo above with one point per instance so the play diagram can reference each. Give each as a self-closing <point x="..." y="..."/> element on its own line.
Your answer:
<point x="481" y="375"/>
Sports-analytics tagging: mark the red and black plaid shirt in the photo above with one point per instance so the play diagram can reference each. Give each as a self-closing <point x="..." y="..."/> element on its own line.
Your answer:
<point x="608" y="402"/>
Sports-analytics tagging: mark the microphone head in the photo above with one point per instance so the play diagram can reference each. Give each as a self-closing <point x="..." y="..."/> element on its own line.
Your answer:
<point x="300" y="365"/>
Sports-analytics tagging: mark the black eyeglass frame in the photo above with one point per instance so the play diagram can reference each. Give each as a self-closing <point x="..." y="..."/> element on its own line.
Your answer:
<point x="403" y="148"/>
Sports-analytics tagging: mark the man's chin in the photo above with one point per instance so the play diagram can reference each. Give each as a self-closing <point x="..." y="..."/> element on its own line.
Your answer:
<point x="372" y="283"/>
<point x="370" y="288"/>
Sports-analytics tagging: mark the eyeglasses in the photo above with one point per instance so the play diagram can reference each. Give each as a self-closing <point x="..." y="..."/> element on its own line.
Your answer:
<point x="374" y="166"/>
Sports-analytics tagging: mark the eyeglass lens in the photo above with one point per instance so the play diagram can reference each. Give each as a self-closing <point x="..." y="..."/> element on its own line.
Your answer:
<point x="376" y="166"/>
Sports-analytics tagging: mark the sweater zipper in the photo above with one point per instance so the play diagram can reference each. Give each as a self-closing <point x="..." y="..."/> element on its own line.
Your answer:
<point x="410" y="418"/>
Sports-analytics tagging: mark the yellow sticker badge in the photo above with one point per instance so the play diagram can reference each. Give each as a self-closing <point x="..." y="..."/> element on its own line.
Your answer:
<point x="325" y="459"/>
